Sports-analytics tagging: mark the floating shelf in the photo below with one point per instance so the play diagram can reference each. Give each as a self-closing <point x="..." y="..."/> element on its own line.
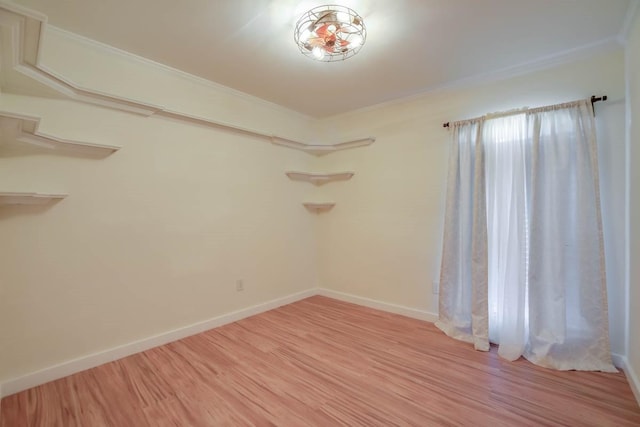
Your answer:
<point x="10" y="198"/>
<point x="319" y="178"/>
<point x="25" y="129"/>
<point x="321" y="150"/>
<point x="319" y="206"/>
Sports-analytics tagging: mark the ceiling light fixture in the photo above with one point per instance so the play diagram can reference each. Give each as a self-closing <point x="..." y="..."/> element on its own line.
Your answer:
<point x="330" y="33"/>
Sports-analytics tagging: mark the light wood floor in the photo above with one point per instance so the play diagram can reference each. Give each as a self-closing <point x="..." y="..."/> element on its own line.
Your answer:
<point x="323" y="362"/>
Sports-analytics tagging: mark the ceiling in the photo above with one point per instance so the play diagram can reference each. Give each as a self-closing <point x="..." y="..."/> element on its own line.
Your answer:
<point x="412" y="46"/>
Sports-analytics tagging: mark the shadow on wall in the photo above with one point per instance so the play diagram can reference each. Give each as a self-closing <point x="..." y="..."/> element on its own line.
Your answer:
<point x="14" y="149"/>
<point x="10" y="210"/>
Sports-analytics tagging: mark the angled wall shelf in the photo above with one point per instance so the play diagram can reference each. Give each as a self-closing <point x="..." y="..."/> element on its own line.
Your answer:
<point x="12" y="198"/>
<point x="321" y="150"/>
<point x="25" y="33"/>
<point x="319" y="178"/>
<point x="319" y="206"/>
<point x="25" y="129"/>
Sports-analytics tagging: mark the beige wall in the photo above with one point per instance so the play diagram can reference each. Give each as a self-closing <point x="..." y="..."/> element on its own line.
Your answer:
<point x="383" y="239"/>
<point x="151" y="238"/>
<point x="633" y="81"/>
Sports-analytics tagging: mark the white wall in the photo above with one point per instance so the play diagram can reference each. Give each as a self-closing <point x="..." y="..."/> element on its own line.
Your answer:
<point x="383" y="239"/>
<point x="633" y="81"/>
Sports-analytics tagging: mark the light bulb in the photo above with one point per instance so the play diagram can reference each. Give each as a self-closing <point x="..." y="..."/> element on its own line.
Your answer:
<point x="355" y="41"/>
<point x="317" y="52"/>
<point x="304" y="36"/>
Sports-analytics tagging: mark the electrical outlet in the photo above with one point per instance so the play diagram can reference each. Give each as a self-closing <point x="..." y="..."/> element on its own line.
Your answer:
<point x="239" y="285"/>
<point x="435" y="287"/>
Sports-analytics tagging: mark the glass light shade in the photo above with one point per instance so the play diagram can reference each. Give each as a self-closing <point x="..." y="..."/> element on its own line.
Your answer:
<point x="330" y="33"/>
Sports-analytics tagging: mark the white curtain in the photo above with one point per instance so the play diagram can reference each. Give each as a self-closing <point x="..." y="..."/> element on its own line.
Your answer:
<point x="463" y="306"/>
<point x="505" y="144"/>
<point x="523" y="257"/>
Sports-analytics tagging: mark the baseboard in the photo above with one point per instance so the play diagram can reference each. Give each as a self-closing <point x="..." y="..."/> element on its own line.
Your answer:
<point x="632" y="376"/>
<point x="379" y="305"/>
<point x="83" y="363"/>
<point x="634" y="381"/>
<point x="96" y="359"/>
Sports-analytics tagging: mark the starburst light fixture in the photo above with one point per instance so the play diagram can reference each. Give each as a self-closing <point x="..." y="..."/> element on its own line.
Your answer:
<point x="330" y="33"/>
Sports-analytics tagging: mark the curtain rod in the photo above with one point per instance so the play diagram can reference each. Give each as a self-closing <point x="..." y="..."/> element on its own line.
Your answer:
<point x="594" y="99"/>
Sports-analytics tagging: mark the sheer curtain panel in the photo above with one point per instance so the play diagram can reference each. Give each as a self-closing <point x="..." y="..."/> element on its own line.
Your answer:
<point x="463" y="281"/>
<point x="523" y="257"/>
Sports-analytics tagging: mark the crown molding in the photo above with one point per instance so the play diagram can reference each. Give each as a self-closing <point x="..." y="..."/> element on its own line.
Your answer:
<point x="27" y="131"/>
<point x="542" y="63"/>
<point x="629" y="18"/>
<point x="26" y="28"/>
<point x="128" y="56"/>
<point x="90" y="96"/>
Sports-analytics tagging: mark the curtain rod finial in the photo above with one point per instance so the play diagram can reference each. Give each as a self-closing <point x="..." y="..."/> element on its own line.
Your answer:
<point x="595" y="99"/>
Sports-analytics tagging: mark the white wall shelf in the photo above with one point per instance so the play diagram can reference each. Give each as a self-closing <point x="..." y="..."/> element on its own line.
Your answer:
<point x="321" y="150"/>
<point x="319" y="178"/>
<point x="319" y="206"/>
<point x="12" y="198"/>
<point x="24" y="128"/>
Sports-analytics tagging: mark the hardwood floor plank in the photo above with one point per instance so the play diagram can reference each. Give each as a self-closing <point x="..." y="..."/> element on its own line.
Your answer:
<point x="142" y="382"/>
<point x="52" y="404"/>
<point x="103" y="398"/>
<point x="217" y="401"/>
<point x="321" y="362"/>
<point x="14" y="410"/>
<point x="177" y="412"/>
